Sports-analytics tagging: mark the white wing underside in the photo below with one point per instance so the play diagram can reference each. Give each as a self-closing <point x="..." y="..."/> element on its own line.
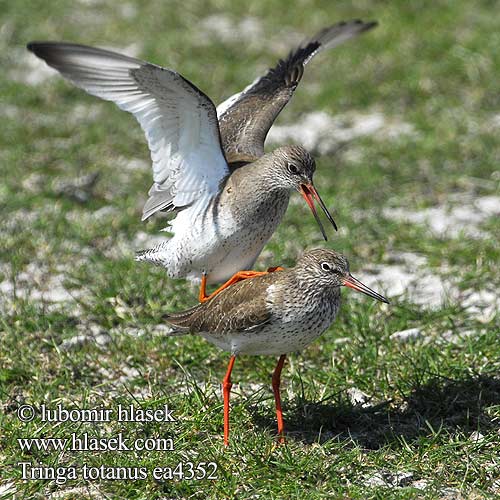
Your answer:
<point x="179" y="121"/>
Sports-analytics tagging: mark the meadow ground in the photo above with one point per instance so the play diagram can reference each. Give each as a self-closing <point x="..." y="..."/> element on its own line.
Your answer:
<point x="399" y="401"/>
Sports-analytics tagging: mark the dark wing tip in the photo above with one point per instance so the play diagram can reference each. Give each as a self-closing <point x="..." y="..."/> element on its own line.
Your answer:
<point x="341" y="32"/>
<point x="48" y="51"/>
<point x="39" y="47"/>
<point x="293" y="65"/>
<point x="35" y="47"/>
<point x="367" y="25"/>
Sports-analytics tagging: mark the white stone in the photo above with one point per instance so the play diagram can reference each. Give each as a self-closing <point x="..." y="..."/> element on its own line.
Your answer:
<point x="455" y="337"/>
<point x="7" y="488"/>
<point x="489" y="205"/>
<point x="476" y="437"/>
<point x="359" y="398"/>
<point x="162" y="330"/>
<point x="390" y="479"/>
<point x="75" y="342"/>
<point x="482" y="305"/>
<point x="419" y="287"/>
<point x="406" y="335"/>
<point x="102" y="339"/>
<point x="323" y="133"/>
<point x="448" y="221"/>
<point x="421" y="484"/>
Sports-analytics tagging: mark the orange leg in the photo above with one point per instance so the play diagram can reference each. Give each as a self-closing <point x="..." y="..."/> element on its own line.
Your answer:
<point x="226" y="390"/>
<point x="239" y="276"/>
<point x="202" y="296"/>
<point x="277" y="399"/>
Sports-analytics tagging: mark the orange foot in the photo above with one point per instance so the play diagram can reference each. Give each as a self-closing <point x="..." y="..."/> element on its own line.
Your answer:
<point x="239" y="276"/>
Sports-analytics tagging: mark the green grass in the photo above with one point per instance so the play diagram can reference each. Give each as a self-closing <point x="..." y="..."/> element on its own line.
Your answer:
<point x="431" y="64"/>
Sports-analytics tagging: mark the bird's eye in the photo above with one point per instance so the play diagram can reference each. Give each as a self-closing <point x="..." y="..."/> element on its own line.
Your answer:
<point x="325" y="266"/>
<point x="293" y="169"/>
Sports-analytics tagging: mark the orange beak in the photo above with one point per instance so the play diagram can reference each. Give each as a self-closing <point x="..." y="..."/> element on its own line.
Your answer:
<point x="355" y="284"/>
<point x="308" y="191"/>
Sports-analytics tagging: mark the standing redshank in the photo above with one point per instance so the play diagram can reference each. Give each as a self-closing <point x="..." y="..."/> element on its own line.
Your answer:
<point x="273" y="314"/>
<point x="228" y="196"/>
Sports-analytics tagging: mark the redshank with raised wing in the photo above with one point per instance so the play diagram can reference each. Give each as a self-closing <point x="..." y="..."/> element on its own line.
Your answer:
<point x="273" y="314"/>
<point x="228" y="196"/>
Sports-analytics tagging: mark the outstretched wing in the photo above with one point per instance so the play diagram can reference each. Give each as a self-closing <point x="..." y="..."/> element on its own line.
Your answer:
<point x="245" y="118"/>
<point x="179" y="120"/>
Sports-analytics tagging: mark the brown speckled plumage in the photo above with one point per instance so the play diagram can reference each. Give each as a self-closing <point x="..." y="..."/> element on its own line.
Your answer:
<point x="276" y="313"/>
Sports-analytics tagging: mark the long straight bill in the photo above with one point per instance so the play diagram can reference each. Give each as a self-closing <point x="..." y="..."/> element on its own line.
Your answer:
<point x="322" y="205"/>
<point x="308" y="192"/>
<point x="355" y="284"/>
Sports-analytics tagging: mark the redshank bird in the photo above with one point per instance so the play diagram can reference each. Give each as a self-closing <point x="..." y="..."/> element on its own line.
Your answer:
<point x="227" y="194"/>
<point x="273" y="314"/>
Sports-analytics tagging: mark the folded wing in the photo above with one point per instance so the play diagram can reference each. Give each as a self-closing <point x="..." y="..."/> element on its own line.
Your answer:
<point x="179" y="120"/>
<point x="245" y="118"/>
<point x="239" y="308"/>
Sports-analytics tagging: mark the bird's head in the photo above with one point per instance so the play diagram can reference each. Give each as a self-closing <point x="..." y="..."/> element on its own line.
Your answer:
<point x="330" y="269"/>
<point x="294" y="168"/>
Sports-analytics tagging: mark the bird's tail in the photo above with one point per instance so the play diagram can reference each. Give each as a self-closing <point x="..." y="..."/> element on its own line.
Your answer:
<point x="156" y="255"/>
<point x="183" y="321"/>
